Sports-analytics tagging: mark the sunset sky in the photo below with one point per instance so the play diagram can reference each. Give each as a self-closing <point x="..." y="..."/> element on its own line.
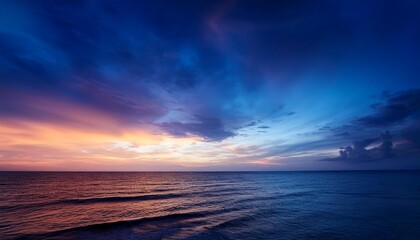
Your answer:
<point x="208" y="85"/>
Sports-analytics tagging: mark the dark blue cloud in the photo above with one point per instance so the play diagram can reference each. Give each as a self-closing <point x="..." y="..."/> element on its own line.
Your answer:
<point x="399" y="111"/>
<point x="359" y="153"/>
<point x="397" y="108"/>
<point x="211" y="129"/>
<point x="412" y="134"/>
<point x="251" y="124"/>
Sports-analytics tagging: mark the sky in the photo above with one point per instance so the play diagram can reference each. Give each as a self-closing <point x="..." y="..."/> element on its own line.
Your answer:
<point x="209" y="85"/>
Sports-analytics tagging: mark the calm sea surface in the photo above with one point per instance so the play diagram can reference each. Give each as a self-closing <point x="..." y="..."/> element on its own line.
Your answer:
<point x="252" y="205"/>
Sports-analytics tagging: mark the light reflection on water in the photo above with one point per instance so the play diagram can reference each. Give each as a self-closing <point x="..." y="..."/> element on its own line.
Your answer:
<point x="253" y="205"/>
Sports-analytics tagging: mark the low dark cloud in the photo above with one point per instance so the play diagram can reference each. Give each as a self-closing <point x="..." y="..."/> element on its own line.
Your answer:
<point x="397" y="108"/>
<point x="251" y="124"/>
<point x="210" y="128"/>
<point x="359" y="151"/>
<point x="342" y="134"/>
<point x="411" y="134"/>
<point x="324" y="128"/>
<point x="398" y="112"/>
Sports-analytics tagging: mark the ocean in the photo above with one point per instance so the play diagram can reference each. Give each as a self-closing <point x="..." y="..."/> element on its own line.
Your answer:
<point x="210" y="205"/>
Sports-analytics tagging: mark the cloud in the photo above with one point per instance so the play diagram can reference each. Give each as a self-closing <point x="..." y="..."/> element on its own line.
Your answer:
<point x="131" y="61"/>
<point x="412" y="134"/>
<point x="342" y="134"/>
<point x="398" y="107"/>
<point x="128" y="61"/>
<point x="210" y="128"/>
<point x="359" y="152"/>
<point x="251" y="124"/>
<point x="399" y="112"/>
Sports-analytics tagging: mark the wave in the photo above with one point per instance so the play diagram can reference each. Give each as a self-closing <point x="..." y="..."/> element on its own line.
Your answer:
<point x="118" y="199"/>
<point x="97" y="231"/>
<point x="96" y="200"/>
<point x="72" y="233"/>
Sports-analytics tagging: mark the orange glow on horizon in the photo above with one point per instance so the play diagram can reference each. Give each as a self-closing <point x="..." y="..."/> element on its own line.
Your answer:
<point x="49" y="145"/>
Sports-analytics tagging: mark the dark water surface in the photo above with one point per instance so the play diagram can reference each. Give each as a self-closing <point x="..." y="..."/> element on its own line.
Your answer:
<point x="243" y="205"/>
